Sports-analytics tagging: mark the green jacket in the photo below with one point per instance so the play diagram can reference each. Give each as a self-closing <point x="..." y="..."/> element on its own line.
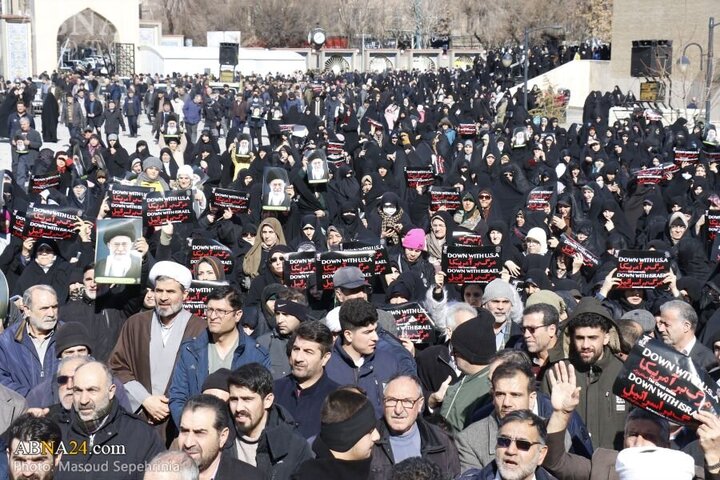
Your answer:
<point x="463" y="397"/>
<point x="602" y="411"/>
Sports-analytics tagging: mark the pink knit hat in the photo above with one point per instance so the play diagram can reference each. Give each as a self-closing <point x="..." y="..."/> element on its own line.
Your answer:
<point x="414" y="239"/>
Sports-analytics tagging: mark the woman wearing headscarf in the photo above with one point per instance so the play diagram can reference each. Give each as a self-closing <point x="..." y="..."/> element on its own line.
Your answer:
<point x="141" y="151"/>
<point x="273" y="273"/>
<point x="440" y="228"/>
<point x="468" y="215"/>
<point x="497" y="235"/>
<point x="310" y="233"/>
<point x="117" y="158"/>
<point x="343" y="186"/>
<point x="536" y="250"/>
<point x="80" y="197"/>
<point x="413" y="257"/>
<point x="209" y="269"/>
<point x="269" y="234"/>
<point x="389" y="220"/>
<point x="353" y="229"/>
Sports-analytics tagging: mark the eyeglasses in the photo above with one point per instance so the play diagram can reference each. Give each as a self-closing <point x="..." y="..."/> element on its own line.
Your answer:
<point x="277" y="259"/>
<point x="405" y="402"/>
<point x="484" y="197"/>
<point x="219" y="311"/>
<point x="522" y="445"/>
<point x="64" y="379"/>
<point x="532" y="330"/>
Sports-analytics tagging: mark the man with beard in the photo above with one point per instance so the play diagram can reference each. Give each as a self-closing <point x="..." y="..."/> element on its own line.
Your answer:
<point x="304" y="390"/>
<point x="25" y="431"/>
<point x="149" y="342"/>
<point x="540" y="326"/>
<point x="107" y="437"/>
<point x="124" y="262"/>
<point x="223" y="345"/>
<point x="499" y="300"/>
<point x="593" y="341"/>
<point x="290" y="310"/>
<point x="204" y="429"/>
<point x="519" y="451"/>
<point x="260" y="423"/>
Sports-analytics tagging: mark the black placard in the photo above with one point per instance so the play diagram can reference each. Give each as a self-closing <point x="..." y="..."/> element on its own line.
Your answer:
<point x="570" y="247"/>
<point x="539" y="198"/>
<point x="466" y="238"/>
<point x="642" y="268"/>
<point x="329" y="262"/>
<point x="690" y="156"/>
<point x="234" y="200"/>
<point x="126" y="200"/>
<point x="463" y="264"/>
<point x="50" y="222"/>
<point x="658" y="378"/>
<point x="175" y="207"/>
<point x="38" y="183"/>
<point x="422" y="176"/>
<point x="381" y="255"/>
<point x="205" y="247"/>
<point x="413" y="322"/>
<point x="447" y="197"/>
<point x="650" y="175"/>
<point x="298" y="269"/>
<point x="196" y="300"/>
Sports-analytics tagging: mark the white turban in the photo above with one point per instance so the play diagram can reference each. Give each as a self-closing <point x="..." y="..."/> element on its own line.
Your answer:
<point x="173" y="270"/>
<point x="642" y="463"/>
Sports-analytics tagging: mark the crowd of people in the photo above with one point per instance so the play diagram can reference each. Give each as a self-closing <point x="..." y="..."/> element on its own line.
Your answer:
<point x="269" y="380"/>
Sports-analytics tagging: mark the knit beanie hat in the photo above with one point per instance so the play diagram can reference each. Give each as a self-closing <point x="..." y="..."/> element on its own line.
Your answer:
<point x="71" y="334"/>
<point x="152" y="162"/>
<point x="217" y="380"/>
<point x="414" y="239"/>
<point x="474" y="340"/>
<point x="498" y="288"/>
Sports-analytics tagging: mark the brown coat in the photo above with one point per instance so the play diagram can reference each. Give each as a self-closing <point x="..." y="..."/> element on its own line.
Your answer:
<point x="130" y="360"/>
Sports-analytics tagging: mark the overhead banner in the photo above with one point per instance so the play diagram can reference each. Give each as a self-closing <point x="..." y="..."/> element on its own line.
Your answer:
<point x="444" y="198"/>
<point x="205" y="247"/>
<point x="471" y="264"/>
<point x="329" y="262"/>
<point x="236" y="201"/>
<point x="197" y="296"/>
<point x="126" y="200"/>
<point x="661" y="380"/>
<point x="571" y="247"/>
<point x="175" y="207"/>
<point x="50" y="222"/>
<point x="422" y="176"/>
<point x="539" y="198"/>
<point x="381" y="255"/>
<point x="642" y="268"/>
<point x="298" y="270"/>
<point x="466" y="238"/>
<point x="413" y="322"/>
<point x="38" y="183"/>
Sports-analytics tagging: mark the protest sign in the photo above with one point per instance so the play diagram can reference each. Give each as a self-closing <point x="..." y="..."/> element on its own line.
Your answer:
<point x="413" y="322"/>
<point x="571" y="247"/>
<point x="649" y="175"/>
<point x="38" y="183"/>
<point x="642" y="268"/>
<point x="466" y="238"/>
<point x="381" y="255"/>
<point x="447" y="198"/>
<point x="539" y="198"/>
<point x="50" y="222"/>
<point x="175" y="207"/>
<point x="422" y="176"/>
<point x="197" y="296"/>
<point x="205" y="247"/>
<point x="126" y="200"/>
<point x="713" y="224"/>
<point x="467" y="129"/>
<point x="298" y="269"/>
<point x="471" y="264"/>
<point x="116" y="261"/>
<point x="689" y="156"/>
<point x="234" y="200"/>
<point x="17" y="227"/>
<point x="329" y="262"/>
<point x="659" y="379"/>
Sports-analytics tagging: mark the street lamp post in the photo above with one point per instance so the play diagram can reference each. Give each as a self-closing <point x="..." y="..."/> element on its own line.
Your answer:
<point x="709" y="73"/>
<point x="526" y="62"/>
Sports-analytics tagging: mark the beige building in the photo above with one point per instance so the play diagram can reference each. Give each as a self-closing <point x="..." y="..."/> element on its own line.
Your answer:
<point x="681" y="21"/>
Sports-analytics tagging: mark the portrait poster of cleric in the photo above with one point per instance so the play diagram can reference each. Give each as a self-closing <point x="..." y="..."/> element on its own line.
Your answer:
<point x="274" y="197"/>
<point x="117" y="260"/>
<point x="317" y="168"/>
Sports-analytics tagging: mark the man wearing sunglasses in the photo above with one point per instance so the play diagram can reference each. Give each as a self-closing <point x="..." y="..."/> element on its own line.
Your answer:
<point x="519" y="450"/>
<point x="405" y="434"/>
